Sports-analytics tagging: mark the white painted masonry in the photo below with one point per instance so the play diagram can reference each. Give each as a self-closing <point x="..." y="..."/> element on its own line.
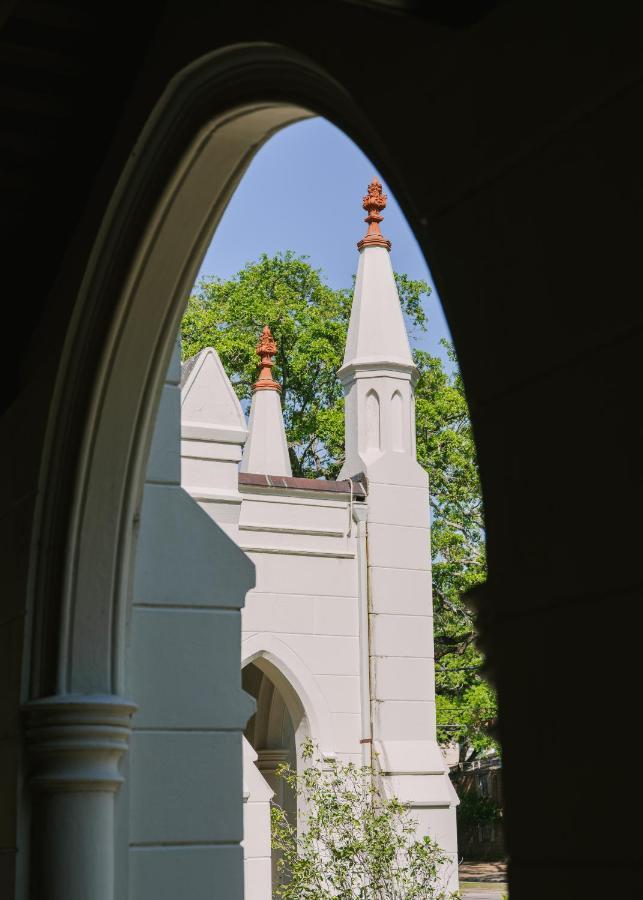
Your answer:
<point x="183" y="668"/>
<point x="339" y="623"/>
<point x="378" y="376"/>
<point x="266" y="450"/>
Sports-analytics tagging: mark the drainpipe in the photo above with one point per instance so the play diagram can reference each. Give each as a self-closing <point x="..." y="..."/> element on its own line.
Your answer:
<point x="360" y="511"/>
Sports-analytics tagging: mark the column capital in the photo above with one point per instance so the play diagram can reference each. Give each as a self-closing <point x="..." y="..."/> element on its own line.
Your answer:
<point x="77" y="740"/>
<point x="269" y="760"/>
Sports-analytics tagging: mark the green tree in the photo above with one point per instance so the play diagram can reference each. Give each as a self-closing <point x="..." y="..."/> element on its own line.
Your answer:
<point x="309" y="321"/>
<point x="351" y="842"/>
<point x="466" y="703"/>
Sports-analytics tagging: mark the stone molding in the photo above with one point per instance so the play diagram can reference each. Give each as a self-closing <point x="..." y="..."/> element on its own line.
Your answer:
<point x="298" y="685"/>
<point x="269" y="760"/>
<point x="215" y="434"/>
<point x="373" y="367"/>
<point x="357" y="485"/>
<point x="76" y="741"/>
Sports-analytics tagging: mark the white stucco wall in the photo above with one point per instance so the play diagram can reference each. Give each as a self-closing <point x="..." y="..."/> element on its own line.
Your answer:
<point x="303" y="610"/>
<point x="182" y="809"/>
<point x="378" y="376"/>
<point x="302" y="616"/>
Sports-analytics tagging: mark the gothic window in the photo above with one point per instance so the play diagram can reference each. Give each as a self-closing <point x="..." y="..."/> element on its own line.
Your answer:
<point x="397" y="421"/>
<point x="372" y="421"/>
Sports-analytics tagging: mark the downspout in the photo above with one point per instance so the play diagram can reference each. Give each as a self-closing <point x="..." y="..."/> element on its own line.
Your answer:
<point x="360" y="511"/>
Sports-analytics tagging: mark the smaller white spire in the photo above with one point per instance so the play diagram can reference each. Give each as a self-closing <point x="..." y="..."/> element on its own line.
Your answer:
<point x="266" y="449"/>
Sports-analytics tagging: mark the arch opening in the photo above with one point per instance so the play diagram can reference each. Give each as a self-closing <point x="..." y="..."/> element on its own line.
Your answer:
<point x="275" y="735"/>
<point x="89" y="655"/>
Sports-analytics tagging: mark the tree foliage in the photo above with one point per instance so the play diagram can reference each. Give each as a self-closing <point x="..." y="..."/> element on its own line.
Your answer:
<point x="465" y="701"/>
<point x="309" y="321"/>
<point x="351" y="842"/>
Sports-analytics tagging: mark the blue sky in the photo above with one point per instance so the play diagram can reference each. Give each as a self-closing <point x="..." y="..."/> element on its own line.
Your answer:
<point x="303" y="192"/>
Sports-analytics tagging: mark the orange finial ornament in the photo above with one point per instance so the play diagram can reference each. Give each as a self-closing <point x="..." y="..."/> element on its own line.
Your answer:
<point x="266" y="349"/>
<point x="374" y="202"/>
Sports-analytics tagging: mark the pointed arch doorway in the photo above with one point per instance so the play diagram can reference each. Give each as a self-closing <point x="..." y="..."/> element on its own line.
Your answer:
<point x="273" y="733"/>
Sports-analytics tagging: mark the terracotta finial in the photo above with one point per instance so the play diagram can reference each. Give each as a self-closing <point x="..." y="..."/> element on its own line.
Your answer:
<point x="374" y="202"/>
<point x="266" y="349"/>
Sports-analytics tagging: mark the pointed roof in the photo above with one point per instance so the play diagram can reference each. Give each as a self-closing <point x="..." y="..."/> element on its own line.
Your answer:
<point x="210" y="409"/>
<point x="266" y="450"/>
<point x="376" y="334"/>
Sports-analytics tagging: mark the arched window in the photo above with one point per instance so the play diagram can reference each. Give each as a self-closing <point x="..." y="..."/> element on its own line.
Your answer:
<point x="373" y="427"/>
<point x="397" y="423"/>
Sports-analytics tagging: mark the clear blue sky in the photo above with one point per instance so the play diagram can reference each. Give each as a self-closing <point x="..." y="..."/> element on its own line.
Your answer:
<point x="303" y="192"/>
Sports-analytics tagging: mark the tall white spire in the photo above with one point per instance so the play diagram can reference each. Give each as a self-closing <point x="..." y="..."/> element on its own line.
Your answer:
<point x="266" y="449"/>
<point x="378" y="376"/>
<point x="378" y="373"/>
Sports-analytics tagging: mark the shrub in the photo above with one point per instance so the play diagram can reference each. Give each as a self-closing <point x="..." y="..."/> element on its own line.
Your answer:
<point x="351" y="842"/>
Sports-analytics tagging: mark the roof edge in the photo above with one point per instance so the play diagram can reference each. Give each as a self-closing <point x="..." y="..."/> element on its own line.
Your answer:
<point x="356" y="485"/>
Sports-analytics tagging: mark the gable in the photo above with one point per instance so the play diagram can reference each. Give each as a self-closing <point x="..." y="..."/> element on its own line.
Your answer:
<point x="210" y="408"/>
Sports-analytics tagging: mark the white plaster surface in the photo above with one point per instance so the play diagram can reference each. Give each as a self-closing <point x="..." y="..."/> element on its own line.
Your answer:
<point x="377" y="332"/>
<point x="402" y="636"/>
<point x="173" y="649"/>
<point x="180" y="812"/>
<point x="294" y="574"/>
<point x="402" y="678"/>
<point x="341" y="692"/>
<point x="400" y="591"/>
<point x="257" y="795"/>
<point x="405" y="720"/>
<point x="197" y="805"/>
<point x="200" y="873"/>
<point x="266" y="450"/>
<point x="378" y="376"/>
<point x="209" y="405"/>
<point x="301" y="622"/>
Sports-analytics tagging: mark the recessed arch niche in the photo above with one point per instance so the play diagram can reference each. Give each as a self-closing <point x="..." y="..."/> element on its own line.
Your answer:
<point x="398" y="431"/>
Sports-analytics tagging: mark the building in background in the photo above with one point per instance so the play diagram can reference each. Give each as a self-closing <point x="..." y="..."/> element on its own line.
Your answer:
<point x="478" y="783"/>
<point x="337" y="634"/>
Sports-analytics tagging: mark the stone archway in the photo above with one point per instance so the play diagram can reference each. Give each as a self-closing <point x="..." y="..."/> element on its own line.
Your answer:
<point x="189" y="159"/>
<point x="274" y="733"/>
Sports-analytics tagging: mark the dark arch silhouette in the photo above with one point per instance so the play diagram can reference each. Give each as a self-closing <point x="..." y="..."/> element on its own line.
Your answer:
<point x="521" y="181"/>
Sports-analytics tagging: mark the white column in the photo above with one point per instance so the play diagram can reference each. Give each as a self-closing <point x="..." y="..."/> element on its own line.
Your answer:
<point x="75" y="744"/>
<point x="257" y="855"/>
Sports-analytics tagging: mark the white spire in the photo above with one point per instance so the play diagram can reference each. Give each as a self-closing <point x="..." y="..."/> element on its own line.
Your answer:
<point x="266" y="450"/>
<point x="378" y="373"/>
<point x="377" y="333"/>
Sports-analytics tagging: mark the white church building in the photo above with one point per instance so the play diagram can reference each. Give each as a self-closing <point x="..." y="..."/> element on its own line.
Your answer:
<point x="337" y="633"/>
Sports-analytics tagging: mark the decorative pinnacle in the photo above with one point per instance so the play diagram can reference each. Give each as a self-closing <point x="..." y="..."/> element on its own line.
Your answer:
<point x="374" y="202"/>
<point x="266" y="349"/>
